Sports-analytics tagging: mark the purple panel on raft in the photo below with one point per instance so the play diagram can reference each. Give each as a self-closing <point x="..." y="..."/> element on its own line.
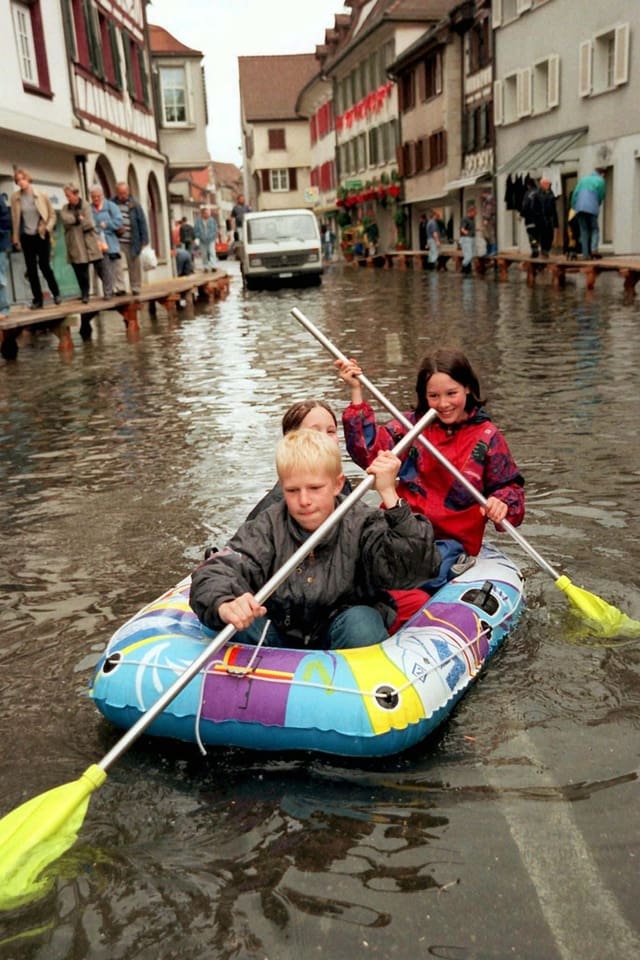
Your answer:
<point x="255" y="696"/>
<point x="463" y="621"/>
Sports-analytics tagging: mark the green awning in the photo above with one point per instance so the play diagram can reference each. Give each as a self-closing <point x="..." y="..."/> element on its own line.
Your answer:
<point x="540" y="153"/>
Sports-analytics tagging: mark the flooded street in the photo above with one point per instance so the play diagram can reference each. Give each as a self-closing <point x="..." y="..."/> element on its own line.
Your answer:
<point x="513" y="832"/>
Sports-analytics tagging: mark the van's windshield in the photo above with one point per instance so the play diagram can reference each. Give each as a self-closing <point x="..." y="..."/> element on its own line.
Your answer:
<point x="295" y="226"/>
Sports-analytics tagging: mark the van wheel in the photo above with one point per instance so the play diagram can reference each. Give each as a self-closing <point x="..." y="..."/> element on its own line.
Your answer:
<point x="251" y="283"/>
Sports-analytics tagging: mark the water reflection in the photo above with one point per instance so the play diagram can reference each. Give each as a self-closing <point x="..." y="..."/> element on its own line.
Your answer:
<point x="116" y="464"/>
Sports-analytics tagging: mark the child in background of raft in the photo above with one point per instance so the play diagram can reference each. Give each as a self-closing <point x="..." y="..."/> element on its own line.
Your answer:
<point x="310" y="415"/>
<point x="464" y="434"/>
<point x="335" y="598"/>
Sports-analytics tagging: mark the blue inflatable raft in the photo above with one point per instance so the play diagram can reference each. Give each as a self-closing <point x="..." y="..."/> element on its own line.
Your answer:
<point x="373" y="701"/>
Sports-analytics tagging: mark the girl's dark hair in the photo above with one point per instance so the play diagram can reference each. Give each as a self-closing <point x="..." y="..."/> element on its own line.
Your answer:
<point x="455" y="364"/>
<point x="295" y="415"/>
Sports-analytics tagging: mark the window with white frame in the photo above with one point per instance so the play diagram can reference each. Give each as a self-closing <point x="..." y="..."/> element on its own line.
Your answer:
<point x="24" y="41"/>
<point x="604" y="61"/>
<point x="279" y="180"/>
<point x="510" y="98"/>
<point x="546" y="84"/>
<point x="513" y="97"/>
<point x="173" y="92"/>
<point x="503" y="11"/>
<point x="30" y="46"/>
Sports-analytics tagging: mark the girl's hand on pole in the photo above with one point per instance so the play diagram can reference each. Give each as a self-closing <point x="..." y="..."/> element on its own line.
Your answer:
<point x="495" y="510"/>
<point x="349" y="371"/>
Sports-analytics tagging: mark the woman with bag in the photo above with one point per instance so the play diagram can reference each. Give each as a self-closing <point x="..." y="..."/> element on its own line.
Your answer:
<point x="108" y="220"/>
<point x="81" y="239"/>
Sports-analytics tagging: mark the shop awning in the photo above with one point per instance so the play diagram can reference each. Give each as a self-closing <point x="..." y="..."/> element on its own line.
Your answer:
<point x="540" y="153"/>
<point x="467" y="181"/>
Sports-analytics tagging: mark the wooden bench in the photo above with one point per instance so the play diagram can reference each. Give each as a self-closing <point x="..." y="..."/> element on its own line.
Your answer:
<point x="419" y="259"/>
<point x="557" y="266"/>
<point x="60" y="318"/>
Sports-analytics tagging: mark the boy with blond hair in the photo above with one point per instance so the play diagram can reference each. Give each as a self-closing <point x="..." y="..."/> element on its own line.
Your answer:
<point x="336" y="597"/>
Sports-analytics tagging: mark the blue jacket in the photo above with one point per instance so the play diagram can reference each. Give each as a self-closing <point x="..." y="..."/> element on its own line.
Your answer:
<point x="588" y="194"/>
<point x="5" y="226"/>
<point x="206" y="231"/>
<point x="112" y="218"/>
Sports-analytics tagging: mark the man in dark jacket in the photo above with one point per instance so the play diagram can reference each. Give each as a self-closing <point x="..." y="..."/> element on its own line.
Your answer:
<point x="133" y="236"/>
<point x="5" y="247"/>
<point x="547" y="216"/>
<point x="335" y="598"/>
<point x="530" y="211"/>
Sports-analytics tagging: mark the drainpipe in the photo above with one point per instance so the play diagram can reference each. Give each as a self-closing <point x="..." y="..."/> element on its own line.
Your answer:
<point x="81" y="164"/>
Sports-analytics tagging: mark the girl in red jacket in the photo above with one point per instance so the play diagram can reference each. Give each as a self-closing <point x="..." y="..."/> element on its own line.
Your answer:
<point x="464" y="434"/>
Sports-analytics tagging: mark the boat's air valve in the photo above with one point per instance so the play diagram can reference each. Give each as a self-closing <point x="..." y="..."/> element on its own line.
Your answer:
<point x="483" y="598"/>
<point x="387" y="698"/>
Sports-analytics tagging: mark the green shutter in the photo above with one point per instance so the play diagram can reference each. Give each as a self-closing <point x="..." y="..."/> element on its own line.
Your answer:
<point x="115" y="54"/>
<point x="131" y="83"/>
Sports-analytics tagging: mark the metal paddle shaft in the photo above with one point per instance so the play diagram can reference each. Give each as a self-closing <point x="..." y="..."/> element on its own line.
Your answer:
<point x="604" y="618"/>
<point x="262" y="594"/>
<point x="475" y="493"/>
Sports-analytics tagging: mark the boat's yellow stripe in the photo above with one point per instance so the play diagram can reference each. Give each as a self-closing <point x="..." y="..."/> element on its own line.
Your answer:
<point x="372" y="668"/>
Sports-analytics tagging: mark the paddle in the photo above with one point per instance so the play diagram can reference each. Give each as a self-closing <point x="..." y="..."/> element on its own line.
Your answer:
<point x="39" y="831"/>
<point x="604" y="618"/>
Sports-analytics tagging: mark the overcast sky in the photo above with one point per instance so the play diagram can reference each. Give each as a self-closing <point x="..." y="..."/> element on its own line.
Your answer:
<point x="227" y="29"/>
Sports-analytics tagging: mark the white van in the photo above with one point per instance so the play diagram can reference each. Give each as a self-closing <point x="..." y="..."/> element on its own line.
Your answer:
<point x="280" y="245"/>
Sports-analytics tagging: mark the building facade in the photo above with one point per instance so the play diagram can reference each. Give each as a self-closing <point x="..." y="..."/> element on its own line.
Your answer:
<point x="356" y="57"/>
<point x="111" y="92"/>
<point x="567" y="81"/>
<point x="275" y="138"/>
<point x="315" y="102"/>
<point x="38" y="128"/>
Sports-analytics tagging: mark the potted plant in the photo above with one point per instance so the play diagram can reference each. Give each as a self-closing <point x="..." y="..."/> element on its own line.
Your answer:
<point x="400" y="219"/>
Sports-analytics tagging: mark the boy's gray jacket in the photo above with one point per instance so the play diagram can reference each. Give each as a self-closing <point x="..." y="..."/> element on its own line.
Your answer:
<point x="368" y="552"/>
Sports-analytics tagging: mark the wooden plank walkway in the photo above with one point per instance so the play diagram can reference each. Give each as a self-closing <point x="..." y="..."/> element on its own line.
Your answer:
<point x="627" y="267"/>
<point x="60" y="319"/>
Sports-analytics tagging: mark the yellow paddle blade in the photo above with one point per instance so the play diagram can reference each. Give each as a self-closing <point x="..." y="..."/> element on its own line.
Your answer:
<point x="39" y="831"/>
<point x="607" y="620"/>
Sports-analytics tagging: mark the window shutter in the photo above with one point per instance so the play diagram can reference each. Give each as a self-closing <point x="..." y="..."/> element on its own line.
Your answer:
<point x="144" y="78"/>
<point x="524" y="92"/>
<point x="553" y="80"/>
<point x="115" y="53"/>
<point x="621" y="55"/>
<point x="496" y="13"/>
<point x="584" y="80"/>
<point x="498" y="108"/>
<point x="131" y="86"/>
<point x="69" y="31"/>
<point x="293" y="178"/>
<point x="422" y="81"/>
<point x="266" y="180"/>
<point x="400" y="160"/>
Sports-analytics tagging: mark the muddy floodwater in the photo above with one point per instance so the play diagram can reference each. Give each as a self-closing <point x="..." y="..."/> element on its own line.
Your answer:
<point x="514" y="832"/>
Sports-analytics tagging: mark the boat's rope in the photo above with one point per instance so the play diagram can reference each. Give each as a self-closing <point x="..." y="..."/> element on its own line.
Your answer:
<point x="236" y="671"/>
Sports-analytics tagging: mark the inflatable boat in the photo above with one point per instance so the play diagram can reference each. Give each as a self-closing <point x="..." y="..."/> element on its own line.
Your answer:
<point x="371" y="701"/>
